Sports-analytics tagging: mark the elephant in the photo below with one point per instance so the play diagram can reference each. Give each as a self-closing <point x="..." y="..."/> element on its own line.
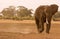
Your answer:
<point x="43" y="14"/>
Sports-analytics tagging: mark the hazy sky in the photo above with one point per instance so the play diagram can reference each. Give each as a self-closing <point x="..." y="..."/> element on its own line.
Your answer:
<point x="31" y="4"/>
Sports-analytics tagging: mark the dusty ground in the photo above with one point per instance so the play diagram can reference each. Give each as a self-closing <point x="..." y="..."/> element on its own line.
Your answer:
<point x="10" y="29"/>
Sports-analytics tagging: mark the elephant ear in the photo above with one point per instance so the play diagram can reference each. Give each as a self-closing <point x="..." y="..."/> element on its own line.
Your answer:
<point x="54" y="8"/>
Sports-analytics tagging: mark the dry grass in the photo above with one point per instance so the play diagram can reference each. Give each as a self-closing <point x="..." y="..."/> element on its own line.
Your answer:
<point x="10" y="29"/>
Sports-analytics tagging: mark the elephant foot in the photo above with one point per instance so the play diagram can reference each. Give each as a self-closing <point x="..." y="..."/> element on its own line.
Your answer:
<point x="41" y="30"/>
<point x="47" y="32"/>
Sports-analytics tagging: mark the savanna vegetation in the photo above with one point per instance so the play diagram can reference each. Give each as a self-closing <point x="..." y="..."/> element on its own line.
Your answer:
<point x="56" y="17"/>
<point x="19" y="13"/>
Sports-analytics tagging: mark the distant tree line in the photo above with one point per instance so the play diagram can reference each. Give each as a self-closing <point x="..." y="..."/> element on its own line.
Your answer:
<point x="18" y="13"/>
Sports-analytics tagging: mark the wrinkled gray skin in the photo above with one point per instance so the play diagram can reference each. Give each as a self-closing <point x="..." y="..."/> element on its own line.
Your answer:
<point x="43" y="14"/>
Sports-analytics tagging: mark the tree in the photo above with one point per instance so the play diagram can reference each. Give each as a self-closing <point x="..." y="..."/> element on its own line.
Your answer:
<point x="23" y="11"/>
<point x="8" y="12"/>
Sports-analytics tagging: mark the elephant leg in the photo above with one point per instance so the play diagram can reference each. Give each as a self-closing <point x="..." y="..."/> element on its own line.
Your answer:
<point x="41" y="25"/>
<point x="48" y="25"/>
<point x="37" y="23"/>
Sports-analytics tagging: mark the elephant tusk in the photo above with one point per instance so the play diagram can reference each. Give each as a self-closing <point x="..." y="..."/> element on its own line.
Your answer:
<point x="47" y="21"/>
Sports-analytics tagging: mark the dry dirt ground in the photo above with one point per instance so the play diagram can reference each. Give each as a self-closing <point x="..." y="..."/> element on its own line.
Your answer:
<point x="26" y="29"/>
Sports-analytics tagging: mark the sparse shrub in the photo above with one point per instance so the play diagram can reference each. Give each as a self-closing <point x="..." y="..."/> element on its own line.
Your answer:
<point x="56" y="17"/>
